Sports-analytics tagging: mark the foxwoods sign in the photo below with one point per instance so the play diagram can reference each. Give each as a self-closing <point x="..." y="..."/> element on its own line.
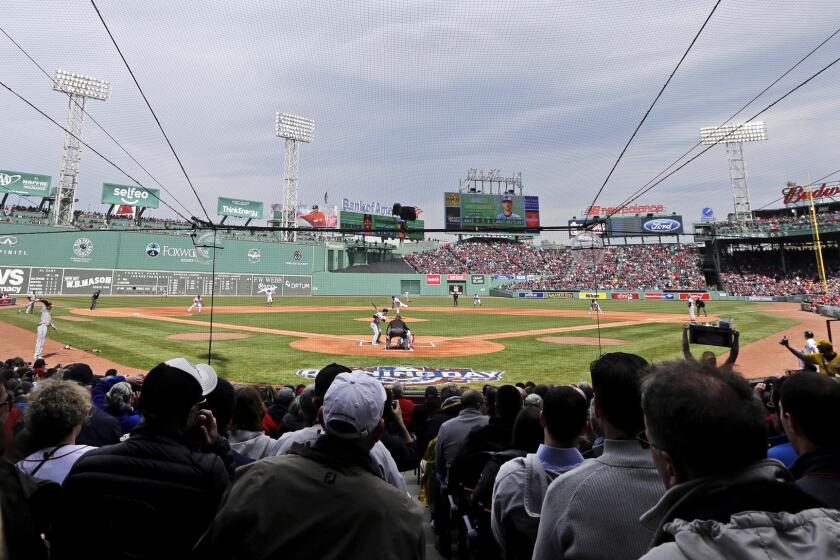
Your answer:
<point x="419" y="375"/>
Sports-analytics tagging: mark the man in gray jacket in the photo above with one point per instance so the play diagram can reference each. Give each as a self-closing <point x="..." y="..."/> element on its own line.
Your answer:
<point x="593" y="511"/>
<point x="453" y="433"/>
<point x="706" y="434"/>
<point x="522" y="482"/>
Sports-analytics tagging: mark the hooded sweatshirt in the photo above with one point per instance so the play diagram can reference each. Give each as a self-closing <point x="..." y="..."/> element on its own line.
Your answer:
<point x="255" y="445"/>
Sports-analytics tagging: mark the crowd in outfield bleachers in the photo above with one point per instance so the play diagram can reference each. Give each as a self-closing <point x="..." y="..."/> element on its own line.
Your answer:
<point x="674" y="460"/>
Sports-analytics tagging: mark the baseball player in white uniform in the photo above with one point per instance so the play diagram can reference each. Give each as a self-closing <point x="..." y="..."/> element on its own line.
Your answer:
<point x="269" y="294"/>
<point x="594" y="306"/>
<point x="397" y="304"/>
<point x="476" y="300"/>
<point x="29" y="306"/>
<point x="692" y="310"/>
<point x="195" y="304"/>
<point x="378" y="318"/>
<point x="44" y="324"/>
<point x="810" y="347"/>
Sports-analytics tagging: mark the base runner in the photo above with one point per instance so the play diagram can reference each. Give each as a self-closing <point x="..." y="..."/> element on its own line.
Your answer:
<point x="196" y="304"/>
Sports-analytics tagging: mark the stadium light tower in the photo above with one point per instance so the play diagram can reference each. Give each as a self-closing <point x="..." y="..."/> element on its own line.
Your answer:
<point x="734" y="135"/>
<point x="78" y="88"/>
<point x="293" y="129"/>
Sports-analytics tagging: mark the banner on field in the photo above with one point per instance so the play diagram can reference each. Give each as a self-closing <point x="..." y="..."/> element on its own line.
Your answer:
<point x="17" y="182"/>
<point x="238" y="208"/>
<point x="420" y="375"/>
<point x="531" y="295"/>
<point x="686" y="295"/>
<point x="653" y="295"/>
<point x="433" y="279"/>
<point x="592" y="295"/>
<point x="456" y="277"/>
<point x="560" y="295"/>
<point x="477" y="279"/>
<point x="624" y="295"/>
<point x="130" y="195"/>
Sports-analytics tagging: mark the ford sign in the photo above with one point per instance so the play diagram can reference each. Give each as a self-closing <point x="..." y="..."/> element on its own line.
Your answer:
<point x="662" y="225"/>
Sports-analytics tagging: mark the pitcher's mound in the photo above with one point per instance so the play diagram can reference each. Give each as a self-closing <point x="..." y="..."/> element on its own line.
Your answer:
<point x="424" y="346"/>
<point x="206" y="336"/>
<point x="587" y="340"/>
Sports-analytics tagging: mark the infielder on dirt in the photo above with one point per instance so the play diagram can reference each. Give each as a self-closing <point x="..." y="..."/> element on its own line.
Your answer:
<point x="692" y="310"/>
<point x="43" y="325"/>
<point x="594" y="306"/>
<point x="379" y="317"/>
<point x="29" y="306"/>
<point x="476" y="300"/>
<point x="195" y="304"/>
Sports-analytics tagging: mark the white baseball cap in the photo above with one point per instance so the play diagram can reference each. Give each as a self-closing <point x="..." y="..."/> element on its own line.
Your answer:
<point x="356" y="399"/>
<point x="203" y="373"/>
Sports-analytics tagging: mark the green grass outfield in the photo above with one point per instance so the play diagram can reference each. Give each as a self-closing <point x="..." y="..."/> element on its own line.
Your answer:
<point x="268" y="358"/>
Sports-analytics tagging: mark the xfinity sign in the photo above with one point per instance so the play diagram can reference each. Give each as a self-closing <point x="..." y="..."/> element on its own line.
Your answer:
<point x="662" y="226"/>
<point x="130" y="195"/>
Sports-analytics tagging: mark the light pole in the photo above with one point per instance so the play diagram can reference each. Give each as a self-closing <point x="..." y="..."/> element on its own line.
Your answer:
<point x="293" y="129"/>
<point x="734" y="136"/>
<point x="78" y="88"/>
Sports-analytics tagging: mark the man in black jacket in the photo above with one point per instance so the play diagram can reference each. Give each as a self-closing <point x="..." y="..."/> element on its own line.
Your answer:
<point x="156" y="485"/>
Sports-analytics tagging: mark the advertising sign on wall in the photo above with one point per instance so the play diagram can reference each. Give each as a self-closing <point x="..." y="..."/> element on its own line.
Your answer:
<point x="238" y="208"/>
<point x="456" y="277"/>
<point x="17" y="182"/>
<point x="433" y="279"/>
<point x="130" y="195"/>
<point x="476" y="279"/>
<point x="624" y="295"/>
<point x="592" y="295"/>
<point x="560" y="295"/>
<point x="637" y="226"/>
<point x="530" y="295"/>
<point x="379" y="226"/>
<point x="685" y="296"/>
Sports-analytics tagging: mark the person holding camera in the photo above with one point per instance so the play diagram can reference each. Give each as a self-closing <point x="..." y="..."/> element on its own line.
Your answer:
<point x="708" y="357"/>
<point x="826" y="358"/>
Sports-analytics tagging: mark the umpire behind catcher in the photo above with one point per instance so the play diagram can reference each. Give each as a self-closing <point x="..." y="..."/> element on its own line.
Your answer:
<point x="396" y="328"/>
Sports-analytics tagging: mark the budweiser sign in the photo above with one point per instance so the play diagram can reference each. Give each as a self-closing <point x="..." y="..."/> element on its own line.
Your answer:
<point x="596" y="210"/>
<point x="793" y="195"/>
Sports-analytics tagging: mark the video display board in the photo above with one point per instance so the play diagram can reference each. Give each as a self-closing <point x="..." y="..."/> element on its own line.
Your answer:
<point x="380" y="226"/>
<point x="638" y="226"/>
<point x="480" y="211"/>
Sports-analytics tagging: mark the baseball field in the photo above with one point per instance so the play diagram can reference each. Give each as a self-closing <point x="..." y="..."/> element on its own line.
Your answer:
<point x="543" y="341"/>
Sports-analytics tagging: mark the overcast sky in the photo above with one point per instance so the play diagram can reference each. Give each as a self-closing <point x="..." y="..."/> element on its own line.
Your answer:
<point x="408" y="95"/>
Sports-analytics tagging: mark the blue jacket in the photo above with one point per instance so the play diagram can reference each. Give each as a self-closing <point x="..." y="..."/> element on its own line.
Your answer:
<point x="129" y="419"/>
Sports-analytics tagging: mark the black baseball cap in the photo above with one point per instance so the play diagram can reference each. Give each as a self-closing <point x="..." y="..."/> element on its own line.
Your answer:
<point x="326" y="376"/>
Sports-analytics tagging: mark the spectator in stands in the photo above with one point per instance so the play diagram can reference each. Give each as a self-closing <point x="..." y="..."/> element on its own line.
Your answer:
<point x="102" y="428"/>
<point x="709" y="357"/>
<point x="24" y="510"/>
<point x="496" y="435"/>
<point x="810" y="413"/>
<point x="338" y="506"/>
<point x="221" y="402"/>
<point x="780" y="447"/>
<point x="826" y="359"/>
<point x="56" y="413"/>
<point x="381" y="458"/>
<point x="453" y="433"/>
<point x="706" y="433"/>
<point x="246" y="436"/>
<point x="450" y="406"/>
<point x="115" y="395"/>
<point x="396" y="438"/>
<point x="605" y="495"/>
<point x="522" y="483"/>
<point x="277" y="409"/>
<point x="422" y="411"/>
<point x="406" y="406"/>
<point x="155" y="483"/>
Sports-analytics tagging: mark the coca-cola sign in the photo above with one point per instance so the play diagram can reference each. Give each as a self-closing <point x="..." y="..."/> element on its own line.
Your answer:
<point x="794" y="195"/>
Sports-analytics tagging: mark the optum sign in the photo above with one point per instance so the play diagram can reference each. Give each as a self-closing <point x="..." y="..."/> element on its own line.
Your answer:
<point x="130" y="195"/>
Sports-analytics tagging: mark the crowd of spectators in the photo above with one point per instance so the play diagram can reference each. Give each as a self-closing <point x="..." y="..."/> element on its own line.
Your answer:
<point x="618" y="267"/>
<point x="760" y="273"/>
<point x="673" y="460"/>
<point x="777" y="225"/>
